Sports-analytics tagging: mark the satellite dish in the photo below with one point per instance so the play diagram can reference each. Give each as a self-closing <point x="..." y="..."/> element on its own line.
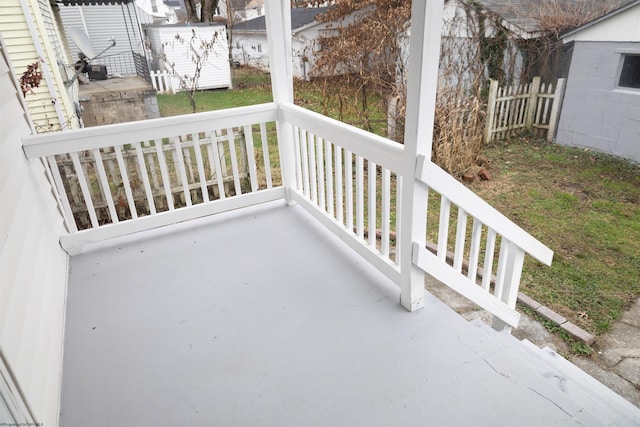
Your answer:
<point x="81" y="39"/>
<point x="87" y="54"/>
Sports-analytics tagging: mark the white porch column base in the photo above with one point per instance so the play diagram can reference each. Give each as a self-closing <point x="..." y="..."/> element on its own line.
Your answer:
<point x="422" y="84"/>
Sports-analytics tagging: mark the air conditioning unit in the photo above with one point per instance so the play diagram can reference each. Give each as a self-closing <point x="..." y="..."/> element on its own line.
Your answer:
<point x="97" y="72"/>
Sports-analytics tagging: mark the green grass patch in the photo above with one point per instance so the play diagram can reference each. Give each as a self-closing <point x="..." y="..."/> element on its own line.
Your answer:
<point x="250" y="87"/>
<point x="586" y="207"/>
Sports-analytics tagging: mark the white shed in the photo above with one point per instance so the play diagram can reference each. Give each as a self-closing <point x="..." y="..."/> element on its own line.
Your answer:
<point x="181" y="44"/>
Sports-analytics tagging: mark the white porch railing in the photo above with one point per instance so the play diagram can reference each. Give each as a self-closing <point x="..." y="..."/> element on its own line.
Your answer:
<point x="349" y="179"/>
<point x="118" y="179"/>
<point x="139" y="175"/>
<point x="474" y="246"/>
<point x="344" y="178"/>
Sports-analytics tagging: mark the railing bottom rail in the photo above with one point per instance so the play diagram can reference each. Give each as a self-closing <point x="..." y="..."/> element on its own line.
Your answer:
<point x="74" y="243"/>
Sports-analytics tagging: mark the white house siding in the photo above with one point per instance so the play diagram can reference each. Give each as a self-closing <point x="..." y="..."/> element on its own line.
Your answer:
<point x="154" y="42"/>
<point x="104" y="22"/>
<point x="251" y="48"/>
<point x="305" y="46"/>
<point x="162" y="12"/>
<point x="622" y="27"/>
<point x="250" y="43"/>
<point x="33" y="267"/>
<point x="458" y="37"/>
<point x="215" y="73"/>
<point x="53" y="36"/>
<point x="460" y="32"/>
<point x="50" y="106"/>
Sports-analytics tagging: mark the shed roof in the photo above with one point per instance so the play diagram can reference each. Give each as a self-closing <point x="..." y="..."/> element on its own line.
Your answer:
<point x="614" y="12"/>
<point x="299" y="18"/>
<point x="523" y="13"/>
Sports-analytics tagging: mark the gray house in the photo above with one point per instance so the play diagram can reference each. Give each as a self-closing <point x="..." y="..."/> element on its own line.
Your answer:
<point x="601" y="109"/>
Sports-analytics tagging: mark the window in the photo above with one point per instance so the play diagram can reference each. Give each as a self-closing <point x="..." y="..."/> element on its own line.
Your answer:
<point x="630" y="72"/>
<point x="259" y="48"/>
<point x="154" y="6"/>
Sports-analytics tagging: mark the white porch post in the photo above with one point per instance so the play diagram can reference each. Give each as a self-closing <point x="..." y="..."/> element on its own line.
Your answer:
<point x="424" y="55"/>
<point x="278" y="22"/>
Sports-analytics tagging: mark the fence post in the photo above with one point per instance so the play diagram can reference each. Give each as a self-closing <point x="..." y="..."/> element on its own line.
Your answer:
<point x="555" y="109"/>
<point x="491" y="110"/>
<point x="153" y="81"/>
<point x="533" y="102"/>
<point x="168" y="83"/>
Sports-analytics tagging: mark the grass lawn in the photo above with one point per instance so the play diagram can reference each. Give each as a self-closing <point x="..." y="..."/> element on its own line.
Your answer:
<point x="586" y="207"/>
<point x="583" y="205"/>
<point x="251" y="87"/>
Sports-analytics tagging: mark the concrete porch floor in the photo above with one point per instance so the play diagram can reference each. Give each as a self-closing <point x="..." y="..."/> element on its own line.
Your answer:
<point x="260" y="317"/>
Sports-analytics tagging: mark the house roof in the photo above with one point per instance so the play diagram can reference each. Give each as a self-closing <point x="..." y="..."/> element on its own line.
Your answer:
<point x="188" y="25"/>
<point x="523" y="13"/>
<point x="614" y="12"/>
<point x="254" y="4"/>
<point x="92" y="2"/>
<point x="299" y="18"/>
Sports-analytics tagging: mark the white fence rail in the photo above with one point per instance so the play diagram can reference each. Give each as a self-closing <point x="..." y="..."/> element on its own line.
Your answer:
<point x="162" y="82"/>
<point x="534" y="106"/>
<point x="119" y="175"/>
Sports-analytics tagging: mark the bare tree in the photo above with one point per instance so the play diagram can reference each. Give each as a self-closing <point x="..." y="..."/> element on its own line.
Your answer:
<point x="365" y="49"/>
<point x="370" y="50"/>
<point x="207" y="10"/>
<point x="199" y="50"/>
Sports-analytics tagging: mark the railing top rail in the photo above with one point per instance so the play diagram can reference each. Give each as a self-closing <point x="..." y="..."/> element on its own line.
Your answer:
<point x="457" y="193"/>
<point x="123" y="133"/>
<point x="379" y="150"/>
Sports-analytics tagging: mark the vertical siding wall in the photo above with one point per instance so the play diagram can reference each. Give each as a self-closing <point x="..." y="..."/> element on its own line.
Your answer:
<point x="595" y="113"/>
<point x="215" y="72"/>
<point x="245" y="49"/>
<point x="104" y="22"/>
<point x="33" y="267"/>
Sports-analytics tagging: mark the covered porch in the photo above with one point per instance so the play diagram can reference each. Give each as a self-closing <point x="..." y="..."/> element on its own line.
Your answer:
<point x="263" y="317"/>
<point x="265" y="266"/>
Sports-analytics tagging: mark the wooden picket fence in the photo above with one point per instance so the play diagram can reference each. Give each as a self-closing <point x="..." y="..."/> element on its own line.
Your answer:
<point x="534" y="106"/>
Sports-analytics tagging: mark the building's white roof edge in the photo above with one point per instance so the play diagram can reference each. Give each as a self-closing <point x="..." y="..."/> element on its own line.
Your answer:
<point x="596" y="21"/>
